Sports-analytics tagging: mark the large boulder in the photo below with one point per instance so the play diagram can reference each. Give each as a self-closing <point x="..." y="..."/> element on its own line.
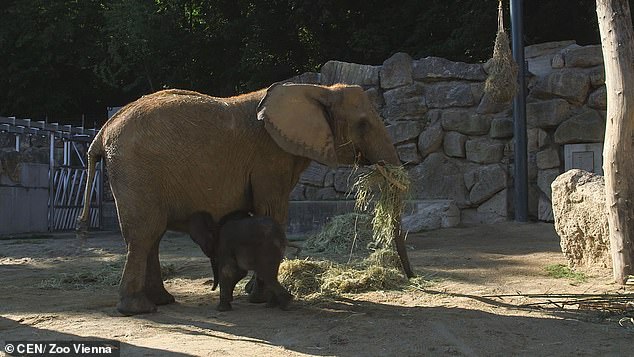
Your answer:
<point x="431" y="214"/>
<point x="578" y="199"/>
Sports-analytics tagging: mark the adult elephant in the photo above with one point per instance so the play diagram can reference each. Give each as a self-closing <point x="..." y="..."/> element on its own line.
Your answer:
<point x="175" y="152"/>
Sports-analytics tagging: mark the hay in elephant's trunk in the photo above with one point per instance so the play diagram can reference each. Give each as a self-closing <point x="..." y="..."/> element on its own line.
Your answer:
<point x="501" y="83"/>
<point x="385" y="187"/>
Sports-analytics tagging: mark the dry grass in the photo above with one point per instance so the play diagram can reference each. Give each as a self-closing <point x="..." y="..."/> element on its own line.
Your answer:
<point x="312" y="279"/>
<point x="382" y="190"/>
<point x="501" y="84"/>
<point x="107" y="275"/>
<point x="345" y="234"/>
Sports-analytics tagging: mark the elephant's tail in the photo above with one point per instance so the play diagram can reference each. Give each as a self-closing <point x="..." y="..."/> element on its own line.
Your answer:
<point x="95" y="153"/>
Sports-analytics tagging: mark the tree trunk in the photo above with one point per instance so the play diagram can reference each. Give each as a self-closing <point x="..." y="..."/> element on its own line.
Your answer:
<point x="617" y="39"/>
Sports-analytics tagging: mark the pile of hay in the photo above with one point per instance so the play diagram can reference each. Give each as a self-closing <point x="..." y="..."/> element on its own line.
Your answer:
<point x="316" y="278"/>
<point x="390" y="183"/>
<point x="345" y="234"/>
<point x="380" y="191"/>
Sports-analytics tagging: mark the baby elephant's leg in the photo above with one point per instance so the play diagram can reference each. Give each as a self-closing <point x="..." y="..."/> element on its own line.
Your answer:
<point x="276" y="294"/>
<point x="280" y="296"/>
<point x="230" y="274"/>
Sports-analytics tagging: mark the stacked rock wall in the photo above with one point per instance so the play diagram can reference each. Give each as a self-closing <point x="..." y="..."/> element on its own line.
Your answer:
<point x="456" y="143"/>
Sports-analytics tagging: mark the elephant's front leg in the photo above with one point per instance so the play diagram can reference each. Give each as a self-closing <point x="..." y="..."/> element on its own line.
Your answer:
<point x="154" y="288"/>
<point x="230" y="275"/>
<point x="271" y="193"/>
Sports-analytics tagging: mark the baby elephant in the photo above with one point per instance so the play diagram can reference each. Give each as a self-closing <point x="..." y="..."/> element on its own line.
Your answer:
<point x="240" y="243"/>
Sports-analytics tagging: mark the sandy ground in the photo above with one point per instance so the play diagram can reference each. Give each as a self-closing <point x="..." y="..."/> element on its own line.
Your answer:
<point x="459" y="313"/>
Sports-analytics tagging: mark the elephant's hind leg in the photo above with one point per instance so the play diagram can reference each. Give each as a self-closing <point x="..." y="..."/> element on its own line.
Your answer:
<point x="132" y="294"/>
<point x="154" y="288"/>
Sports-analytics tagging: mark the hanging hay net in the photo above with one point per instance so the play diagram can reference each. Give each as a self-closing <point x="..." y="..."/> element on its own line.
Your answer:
<point x="358" y="246"/>
<point x="501" y="84"/>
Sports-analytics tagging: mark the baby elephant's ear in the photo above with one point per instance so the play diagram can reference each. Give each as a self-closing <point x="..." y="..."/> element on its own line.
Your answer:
<point x="296" y="116"/>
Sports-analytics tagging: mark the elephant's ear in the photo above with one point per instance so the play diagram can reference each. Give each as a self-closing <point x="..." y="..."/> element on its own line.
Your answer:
<point x="296" y="117"/>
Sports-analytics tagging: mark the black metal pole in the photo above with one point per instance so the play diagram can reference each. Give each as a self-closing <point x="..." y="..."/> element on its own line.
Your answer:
<point x="519" y="115"/>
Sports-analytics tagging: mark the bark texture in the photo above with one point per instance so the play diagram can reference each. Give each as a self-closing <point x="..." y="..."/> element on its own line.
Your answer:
<point x="617" y="39"/>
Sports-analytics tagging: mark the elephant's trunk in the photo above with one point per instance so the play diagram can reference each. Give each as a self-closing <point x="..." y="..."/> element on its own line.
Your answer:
<point x="399" y="240"/>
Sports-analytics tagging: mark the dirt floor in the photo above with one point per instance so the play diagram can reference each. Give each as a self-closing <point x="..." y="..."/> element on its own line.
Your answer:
<point x="460" y="312"/>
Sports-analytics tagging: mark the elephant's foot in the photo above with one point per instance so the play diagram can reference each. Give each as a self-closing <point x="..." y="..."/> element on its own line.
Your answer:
<point x="284" y="300"/>
<point x="135" y="304"/>
<point x="256" y="290"/>
<point x="257" y="296"/>
<point x="160" y="296"/>
<point x="224" y="306"/>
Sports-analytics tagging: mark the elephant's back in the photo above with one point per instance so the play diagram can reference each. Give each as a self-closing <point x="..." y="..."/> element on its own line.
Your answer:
<point x="184" y="151"/>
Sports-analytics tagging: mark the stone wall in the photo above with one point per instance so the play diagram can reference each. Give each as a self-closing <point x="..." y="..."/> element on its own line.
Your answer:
<point x="456" y="143"/>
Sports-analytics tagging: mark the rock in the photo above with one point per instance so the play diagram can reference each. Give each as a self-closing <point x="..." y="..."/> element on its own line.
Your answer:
<point x="547" y="114"/>
<point x="490" y="106"/>
<point x="454" y="144"/>
<point x="465" y="122"/>
<point x="547" y="48"/>
<point x="578" y="203"/>
<point x="375" y="98"/>
<point x="540" y="57"/>
<point x="308" y="77"/>
<point x="545" y="178"/>
<point x="430" y="139"/>
<point x="449" y="94"/>
<point x="345" y="177"/>
<point x="322" y="194"/>
<point x="432" y="214"/>
<point x="558" y="61"/>
<point x="487" y="181"/>
<point x="297" y="194"/>
<point x="408" y="153"/>
<point x="544" y="209"/>
<point x="501" y="128"/>
<point x="403" y="131"/>
<point x="598" y="99"/>
<point x="396" y="71"/>
<point x="495" y="210"/>
<point x="583" y="56"/>
<point x="350" y="73"/>
<point x="597" y="76"/>
<point x="548" y="159"/>
<point x="404" y="103"/>
<point x="570" y="84"/>
<point x="440" y="177"/>
<point x="329" y="179"/>
<point x="436" y="68"/>
<point x="582" y="128"/>
<point x="314" y="174"/>
<point x="484" y="151"/>
<point x="537" y="139"/>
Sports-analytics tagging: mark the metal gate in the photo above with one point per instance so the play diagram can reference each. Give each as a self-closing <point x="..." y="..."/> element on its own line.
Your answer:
<point x="68" y="185"/>
<point x="67" y="170"/>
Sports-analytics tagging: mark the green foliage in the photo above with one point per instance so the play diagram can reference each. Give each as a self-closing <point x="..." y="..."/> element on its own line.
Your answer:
<point x="561" y="271"/>
<point x="63" y="58"/>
